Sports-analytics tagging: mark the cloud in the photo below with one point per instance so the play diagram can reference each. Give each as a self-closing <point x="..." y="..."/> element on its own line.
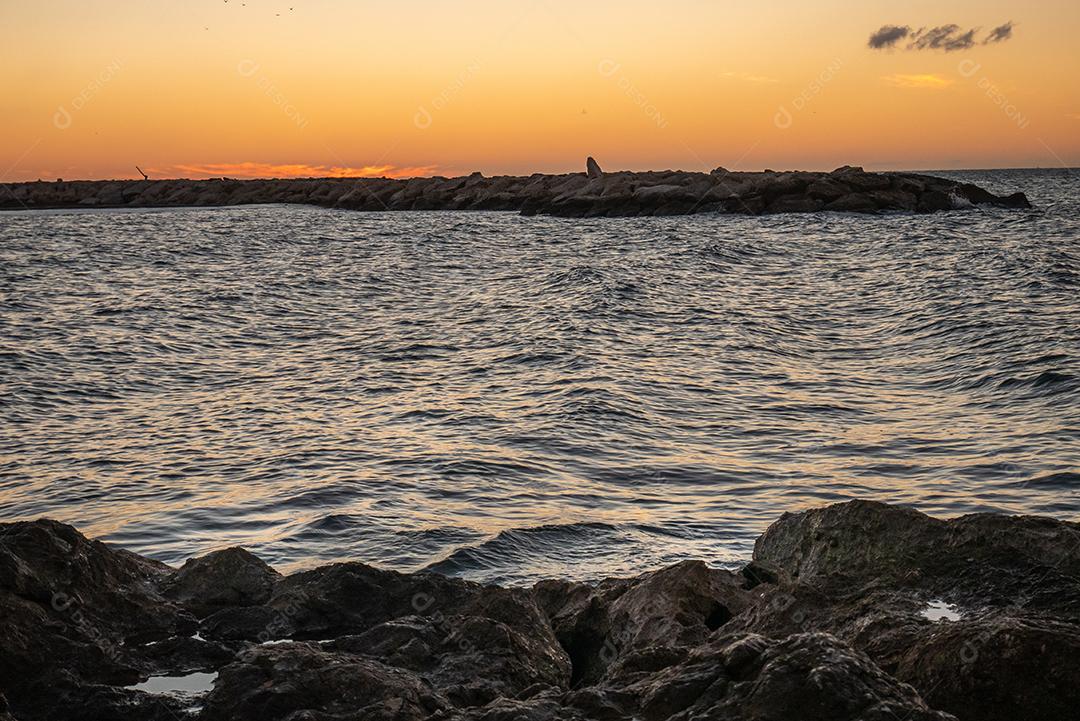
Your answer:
<point x="888" y="36"/>
<point x="299" y="170"/>
<point x="921" y="82"/>
<point x="1000" y="34"/>
<point x="944" y="37"/>
<point x="949" y="38"/>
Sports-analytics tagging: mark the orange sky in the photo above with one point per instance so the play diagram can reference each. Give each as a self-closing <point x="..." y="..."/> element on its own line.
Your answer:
<point x="247" y="88"/>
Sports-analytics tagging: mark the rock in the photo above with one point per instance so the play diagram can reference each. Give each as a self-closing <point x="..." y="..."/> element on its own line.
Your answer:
<point x="298" y="680"/>
<point x="865" y="541"/>
<point x="232" y="577"/>
<point x="895" y="200"/>
<point x="659" y="193"/>
<point x="997" y="669"/>
<point x="590" y="194"/>
<point x="73" y="611"/>
<point x="812" y="677"/>
<point x="866" y="573"/>
<point x="794" y="204"/>
<point x="473" y="660"/>
<point x="674" y="607"/>
<point x="827" y="189"/>
<point x="592" y="168"/>
<point x="829" y="621"/>
<point x="853" y="203"/>
<point x="934" y="201"/>
<point x="866" y="181"/>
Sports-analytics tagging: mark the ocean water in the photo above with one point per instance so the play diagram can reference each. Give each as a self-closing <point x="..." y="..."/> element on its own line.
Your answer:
<point x="508" y="398"/>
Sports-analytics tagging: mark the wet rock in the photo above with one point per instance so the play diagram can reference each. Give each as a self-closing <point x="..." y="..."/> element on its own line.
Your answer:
<point x="671" y="608"/>
<point x="813" y="676"/>
<point x="231" y="577"/>
<point x="934" y="201"/>
<point x="864" y="541"/>
<point x="829" y="621"/>
<point x="866" y="572"/>
<point x="998" y="668"/>
<point x="74" y="614"/>
<point x="473" y="660"/>
<point x="300" y="681"/>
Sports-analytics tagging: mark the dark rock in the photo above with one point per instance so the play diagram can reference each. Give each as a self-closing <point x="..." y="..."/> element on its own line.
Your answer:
<point x="231" y="577"/>
<point x="296" y="679"/>
<point x="473" y="660"/>
<point x="853" y="203"/>
<point x="933" y="201"/>
<point x="752" y="205"/>
<point x="795" y="204"/>
<point x="997" y="669"/>
<point x="829" y="621"/>
<point x="865" y="541"/>
<point x="806" y="676"/>
<point x="827" y="189"/>
<point x="671" y="608"/>
<point x="866" y="571"/>
<point x="75" y="607"/>
<point x="867" y="181"/>
<point x="899" y="200"/>
<point x="590" y="194"/>
<point x="1016" y="200"/>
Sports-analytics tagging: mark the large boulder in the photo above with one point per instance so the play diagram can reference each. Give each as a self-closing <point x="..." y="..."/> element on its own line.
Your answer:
<point x="230" y="577"/>
<point x="673" y="608"/>
<point x="812" y="677"/>
<point x="299" y="681"/>
<point x="74" y="611"/>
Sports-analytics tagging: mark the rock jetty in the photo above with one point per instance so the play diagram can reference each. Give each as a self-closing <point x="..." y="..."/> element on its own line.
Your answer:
<point x="855" y="612"/>
<point x="594" y="193"/>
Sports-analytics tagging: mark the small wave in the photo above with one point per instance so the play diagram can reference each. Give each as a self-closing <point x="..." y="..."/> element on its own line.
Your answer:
<point x="1046" y="379"/>
<point x="1065" y="479"/>
<point x="524" y="547"/>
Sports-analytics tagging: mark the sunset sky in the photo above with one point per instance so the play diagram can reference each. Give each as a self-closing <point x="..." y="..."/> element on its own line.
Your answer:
<point x="247" y="88"/>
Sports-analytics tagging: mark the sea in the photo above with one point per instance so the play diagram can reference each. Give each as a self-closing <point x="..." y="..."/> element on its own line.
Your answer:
<point x="507" y="398"/>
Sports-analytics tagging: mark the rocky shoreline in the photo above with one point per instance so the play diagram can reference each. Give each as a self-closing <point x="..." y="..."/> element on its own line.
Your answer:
<point x="590" y="194"/>
<point x="857" y="611"/>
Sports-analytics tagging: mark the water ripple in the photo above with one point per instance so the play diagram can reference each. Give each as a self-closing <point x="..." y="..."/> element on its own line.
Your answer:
<point x="507" y="398"/>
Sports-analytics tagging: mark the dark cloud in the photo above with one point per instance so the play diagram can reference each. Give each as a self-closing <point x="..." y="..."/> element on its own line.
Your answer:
<point x="949" y="38"/>
<point x="999" y="34"/>
<point x="888" y="36"/>
<point x="944" y="37"/>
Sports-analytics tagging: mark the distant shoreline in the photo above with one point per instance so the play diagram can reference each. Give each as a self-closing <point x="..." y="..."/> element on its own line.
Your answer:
<point x="590" y="194"/>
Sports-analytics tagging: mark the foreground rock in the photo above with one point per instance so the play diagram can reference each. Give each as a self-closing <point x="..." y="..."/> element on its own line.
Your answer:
<point x="858" y="611"/>
<point x="591" y="194"/>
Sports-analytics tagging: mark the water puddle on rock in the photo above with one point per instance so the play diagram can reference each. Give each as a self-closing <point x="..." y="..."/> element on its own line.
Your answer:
<point x="941" y="611"/>
<point x="191" y="684"/>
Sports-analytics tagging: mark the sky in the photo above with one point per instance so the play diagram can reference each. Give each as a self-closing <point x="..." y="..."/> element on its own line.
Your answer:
<point x="252" y="88"/>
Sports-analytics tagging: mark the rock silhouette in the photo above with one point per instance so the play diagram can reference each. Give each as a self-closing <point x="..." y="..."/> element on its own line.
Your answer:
<point x="592" y="168"/>
<point x="591" y="194"/>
